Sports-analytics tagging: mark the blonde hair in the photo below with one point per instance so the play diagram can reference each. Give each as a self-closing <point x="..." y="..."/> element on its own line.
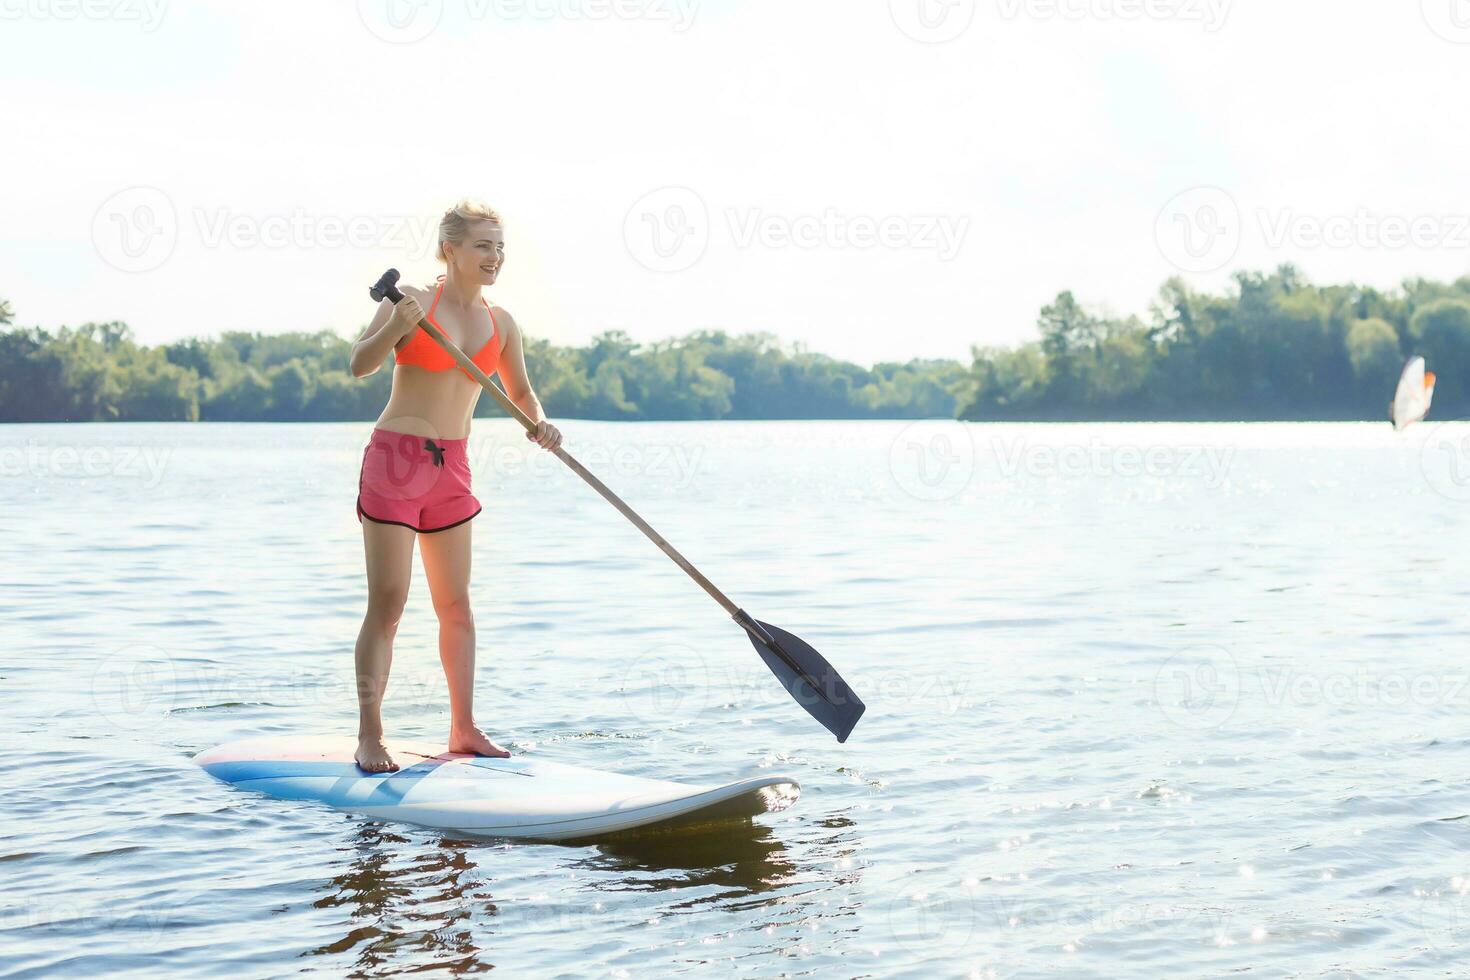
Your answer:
<point x="455" y="224"/>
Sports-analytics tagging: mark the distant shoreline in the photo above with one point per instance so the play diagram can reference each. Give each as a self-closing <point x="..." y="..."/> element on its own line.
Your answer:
<point x="1274" y="348"/>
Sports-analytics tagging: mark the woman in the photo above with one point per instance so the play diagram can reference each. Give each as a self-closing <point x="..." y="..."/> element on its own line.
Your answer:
<point x="416" y="475"/>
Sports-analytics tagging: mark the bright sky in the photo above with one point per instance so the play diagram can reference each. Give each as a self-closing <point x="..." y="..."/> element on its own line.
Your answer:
<point x="879" y="180"/>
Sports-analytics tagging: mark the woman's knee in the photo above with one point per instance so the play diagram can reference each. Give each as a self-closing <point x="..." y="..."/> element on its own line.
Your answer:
<point x="385" y="606"/>
<point x="455" y="612"/>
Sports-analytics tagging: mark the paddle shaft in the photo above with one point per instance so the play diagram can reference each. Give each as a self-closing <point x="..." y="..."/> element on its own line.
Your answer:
<point x="473" y="370"/>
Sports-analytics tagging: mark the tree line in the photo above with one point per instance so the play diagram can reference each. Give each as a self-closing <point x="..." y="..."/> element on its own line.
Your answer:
<point x="1270" y="347"/>
<point x="99" y="372"/>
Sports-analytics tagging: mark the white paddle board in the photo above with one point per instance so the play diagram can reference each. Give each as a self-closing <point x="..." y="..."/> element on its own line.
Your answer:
<point x="519" y="797"/>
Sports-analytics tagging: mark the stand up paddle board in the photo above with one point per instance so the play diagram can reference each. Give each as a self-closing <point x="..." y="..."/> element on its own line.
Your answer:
<point x="518" y="797"/>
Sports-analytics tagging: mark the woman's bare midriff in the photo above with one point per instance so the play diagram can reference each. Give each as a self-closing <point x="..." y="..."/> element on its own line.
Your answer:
<point x="425" y="403"/>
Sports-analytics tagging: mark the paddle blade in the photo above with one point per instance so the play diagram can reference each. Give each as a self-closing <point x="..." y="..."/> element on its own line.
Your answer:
<point x="813" y="682"/>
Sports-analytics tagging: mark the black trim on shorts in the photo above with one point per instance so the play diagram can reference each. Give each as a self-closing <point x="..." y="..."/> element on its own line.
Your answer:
<point x="433" y="530"/>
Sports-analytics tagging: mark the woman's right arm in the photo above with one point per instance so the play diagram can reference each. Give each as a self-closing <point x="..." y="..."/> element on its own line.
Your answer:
<point x="390" y="324"/>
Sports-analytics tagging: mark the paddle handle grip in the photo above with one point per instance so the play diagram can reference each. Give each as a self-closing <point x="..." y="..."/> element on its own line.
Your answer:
<point x="387" y="288"/>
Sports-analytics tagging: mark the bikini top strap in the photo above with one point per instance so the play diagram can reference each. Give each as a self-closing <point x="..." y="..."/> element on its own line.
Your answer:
<point x="494" y="324"/>
<point x="440" y="292"/>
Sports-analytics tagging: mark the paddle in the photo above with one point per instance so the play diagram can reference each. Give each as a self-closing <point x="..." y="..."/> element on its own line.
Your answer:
<point x="804" y="672"/>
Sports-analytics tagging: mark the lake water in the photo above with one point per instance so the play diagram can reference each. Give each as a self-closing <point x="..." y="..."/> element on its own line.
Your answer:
<point x="1142" y="700"/>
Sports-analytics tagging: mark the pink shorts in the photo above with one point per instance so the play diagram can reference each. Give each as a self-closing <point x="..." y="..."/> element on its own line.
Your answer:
<point x="414" y="481"/>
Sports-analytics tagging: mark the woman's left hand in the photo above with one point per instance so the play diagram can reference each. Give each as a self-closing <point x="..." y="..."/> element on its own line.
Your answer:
<point x="546" y="435"/>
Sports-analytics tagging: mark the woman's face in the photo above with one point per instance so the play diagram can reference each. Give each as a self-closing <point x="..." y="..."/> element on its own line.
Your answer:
<point x="481" y="254"/>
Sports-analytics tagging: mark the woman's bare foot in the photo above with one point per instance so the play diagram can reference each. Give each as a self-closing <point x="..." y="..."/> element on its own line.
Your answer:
<point x="372" y="755"/>
<point x="475" y="742"/>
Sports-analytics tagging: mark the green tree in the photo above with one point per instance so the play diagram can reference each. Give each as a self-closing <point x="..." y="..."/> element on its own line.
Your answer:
<point x="1440" y="330"/>
<point x="292" y="387"/>
<point x="244" y="395"/>
<point x="1007" y="383"/>
<point x="1373" y="350"/>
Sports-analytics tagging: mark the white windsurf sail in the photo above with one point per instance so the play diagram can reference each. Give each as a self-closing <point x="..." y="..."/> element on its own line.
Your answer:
<point x="1415" y="392"/>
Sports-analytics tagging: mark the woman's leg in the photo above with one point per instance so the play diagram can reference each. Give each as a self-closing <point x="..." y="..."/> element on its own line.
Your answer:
<point x="446" y="557"/>
<point x="389" y="551"/>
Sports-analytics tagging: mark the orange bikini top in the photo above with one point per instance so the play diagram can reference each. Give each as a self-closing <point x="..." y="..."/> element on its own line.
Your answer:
<point x="421" y="350"/>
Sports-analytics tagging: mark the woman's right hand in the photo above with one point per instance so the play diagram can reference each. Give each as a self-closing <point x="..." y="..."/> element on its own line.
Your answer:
<point x="406" y="316"/>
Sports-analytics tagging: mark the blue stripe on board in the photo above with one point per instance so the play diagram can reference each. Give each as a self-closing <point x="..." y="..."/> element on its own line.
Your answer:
<point x="335" y="783"/>
<point x="234" y="772"/>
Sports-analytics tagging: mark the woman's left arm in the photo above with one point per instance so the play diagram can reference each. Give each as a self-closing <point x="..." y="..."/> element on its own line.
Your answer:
<point x="518" y="386"/>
